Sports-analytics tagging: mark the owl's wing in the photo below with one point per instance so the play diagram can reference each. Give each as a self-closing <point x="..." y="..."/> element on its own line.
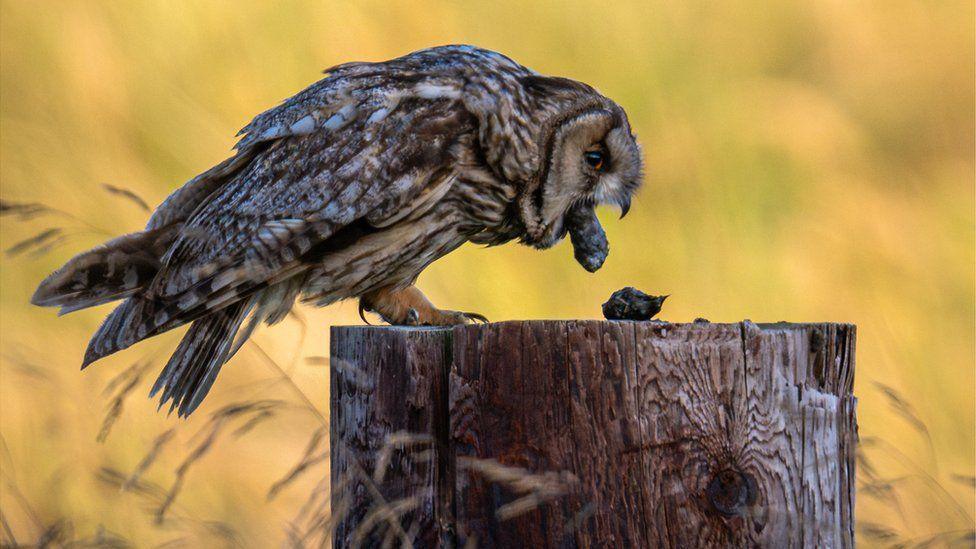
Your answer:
<point x="305" y="185"/>
<point x="298" y="194"/>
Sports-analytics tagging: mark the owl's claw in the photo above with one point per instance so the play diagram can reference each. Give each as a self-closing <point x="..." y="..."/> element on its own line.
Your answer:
<point x="413" y="317"/>
<point x="476" y="317"/>
<point x="362" y="313"/>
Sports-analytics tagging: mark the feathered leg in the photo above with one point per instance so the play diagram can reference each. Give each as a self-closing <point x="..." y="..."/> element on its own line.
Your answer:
<point x="410" y="307"/>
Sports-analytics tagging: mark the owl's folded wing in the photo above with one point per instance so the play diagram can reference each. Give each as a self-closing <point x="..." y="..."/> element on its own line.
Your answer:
<point x="301" y="189"/>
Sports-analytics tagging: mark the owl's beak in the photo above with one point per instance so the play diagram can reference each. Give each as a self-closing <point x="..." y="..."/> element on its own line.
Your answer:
<point x="624" y="205"/>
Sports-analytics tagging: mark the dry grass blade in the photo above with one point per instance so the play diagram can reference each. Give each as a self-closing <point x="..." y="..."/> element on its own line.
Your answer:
<point x="131" y="377"/>
<point x="308" y="459"/>
<point x="158" y="443"/>
<point x="318" y="499"/>
<point x="24" y="211"/>
<point x="119" y="481"/>
<point x="537" y="488"/>
<point x="877" y="532"/>
<point x="26" y="367"/>
<point x="967" y="480"/>
<point x="9" y="539"/>
<point x="156" y="495"/>
<point x="864" y="465"/>
<point x="880" y="490"/>
<point x="953" y="538"/>
<point x="258" y="419"/>
<point x="920" y="473"/>
<point x="581" y="516"/>
<point x="399" y="440"/>
<point x="25" y="506"/>
<point x="214" y="428"/>
<point x="317" y="361"/>
<point x="56" y="534"/>
<point x="175" y="542"/>
<point x="128" y="195"/>
<point x="901" y="406"/>
<point x="33" y="242"/>
<point x="103" y="539"/>
<point x="283" y="375"/>
<point x="384" y="514"/>
<point x="43" y="249"/>
<point x="122" y="378"/>
<point x="353" y="374"/>
<point x="303" y="466"/>
<point x="356" y="472"/>
<point x="223" y="531"/>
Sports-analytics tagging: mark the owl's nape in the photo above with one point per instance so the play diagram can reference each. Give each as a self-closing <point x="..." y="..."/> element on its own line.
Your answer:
<point x="349" y="189"/>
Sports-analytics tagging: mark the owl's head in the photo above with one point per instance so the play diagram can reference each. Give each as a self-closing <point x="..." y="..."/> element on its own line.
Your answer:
<point x="589" y="156"/>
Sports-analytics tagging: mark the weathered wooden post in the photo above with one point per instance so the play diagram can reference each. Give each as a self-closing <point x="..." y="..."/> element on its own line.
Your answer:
<point x="593" y="433"/>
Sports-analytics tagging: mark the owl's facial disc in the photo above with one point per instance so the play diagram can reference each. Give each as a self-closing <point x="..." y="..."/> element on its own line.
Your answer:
<point x="592" y="159"/>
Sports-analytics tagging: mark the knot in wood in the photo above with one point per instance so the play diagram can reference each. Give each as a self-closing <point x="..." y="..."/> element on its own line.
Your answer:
<point x="730" y="491"/>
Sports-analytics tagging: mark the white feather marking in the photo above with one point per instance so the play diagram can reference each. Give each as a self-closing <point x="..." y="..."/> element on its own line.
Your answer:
<point x="291" y="224"/>
<point x="378" y="115"/>
<point x="221" y="300"/>
<point x="190" y="300"/>
<point x="267" y="237"/>
<point x="131" y="278"/>
<point x="223" y="279"/>
<point x="435" y="91"/>
<point x="271" y="133"/>
<point x="334" y="122"/>
<point x="352" y="167"/>
<point x="330" y="211"/>
<point x="303" y="126"/>
<point x="279" y="230"/>
<point x="340" y="118"/>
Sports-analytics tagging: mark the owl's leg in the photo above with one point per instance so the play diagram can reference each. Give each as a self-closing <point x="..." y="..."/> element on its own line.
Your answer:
<point x="410" y="307"/>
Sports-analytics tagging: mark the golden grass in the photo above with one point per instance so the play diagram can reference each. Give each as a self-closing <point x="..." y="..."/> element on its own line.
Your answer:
<point x="807" y="161"/>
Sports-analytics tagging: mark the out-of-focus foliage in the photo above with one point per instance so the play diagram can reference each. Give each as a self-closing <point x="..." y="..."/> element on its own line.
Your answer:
<point x="806" y="161"/>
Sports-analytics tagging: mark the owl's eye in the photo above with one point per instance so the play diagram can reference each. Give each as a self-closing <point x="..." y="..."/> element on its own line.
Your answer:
<point x="595" y="159"/>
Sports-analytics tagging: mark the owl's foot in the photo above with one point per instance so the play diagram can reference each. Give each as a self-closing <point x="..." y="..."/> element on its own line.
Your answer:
<point x="409" y="307"/>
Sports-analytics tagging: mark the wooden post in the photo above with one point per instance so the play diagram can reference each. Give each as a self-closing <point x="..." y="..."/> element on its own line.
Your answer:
<point x="593" y="433"/>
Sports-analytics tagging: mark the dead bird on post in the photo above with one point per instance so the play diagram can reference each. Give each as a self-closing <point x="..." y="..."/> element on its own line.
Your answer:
<point x="350" y="189"/>
<point x="632" y="304"/>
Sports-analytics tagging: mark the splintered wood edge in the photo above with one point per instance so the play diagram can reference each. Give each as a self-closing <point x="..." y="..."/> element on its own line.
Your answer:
<point x="781" y="325"/>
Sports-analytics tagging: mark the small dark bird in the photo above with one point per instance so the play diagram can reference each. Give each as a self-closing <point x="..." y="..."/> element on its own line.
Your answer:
<point x="632" y="304"/>
<point x="349" y="189"/>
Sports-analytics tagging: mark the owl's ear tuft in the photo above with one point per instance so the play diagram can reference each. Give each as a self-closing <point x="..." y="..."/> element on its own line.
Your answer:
<point x="537" y="83"/>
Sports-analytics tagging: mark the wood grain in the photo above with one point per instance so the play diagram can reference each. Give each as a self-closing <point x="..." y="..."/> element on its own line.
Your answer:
<point x="597" y="434"/>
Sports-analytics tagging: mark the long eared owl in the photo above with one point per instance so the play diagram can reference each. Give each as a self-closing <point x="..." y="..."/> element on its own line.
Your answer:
<point x="350" y="189"/>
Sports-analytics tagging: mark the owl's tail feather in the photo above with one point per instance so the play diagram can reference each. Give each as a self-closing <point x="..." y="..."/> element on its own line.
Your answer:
<point x="194" y="366"/>
<point x="119" y="330"/>
<point x="115" y="270"/>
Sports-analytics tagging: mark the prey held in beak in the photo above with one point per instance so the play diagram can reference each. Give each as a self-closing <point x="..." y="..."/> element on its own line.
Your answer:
<point x="590" y="246"/>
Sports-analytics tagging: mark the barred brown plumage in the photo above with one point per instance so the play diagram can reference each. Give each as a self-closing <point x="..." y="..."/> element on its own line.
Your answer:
<point x="350" y="189"/>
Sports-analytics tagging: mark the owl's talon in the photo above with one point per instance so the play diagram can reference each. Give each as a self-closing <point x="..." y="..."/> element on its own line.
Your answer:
<point x="413" y="317"/>
<point x="476" y="317"/>
<point x="362" y="313"/>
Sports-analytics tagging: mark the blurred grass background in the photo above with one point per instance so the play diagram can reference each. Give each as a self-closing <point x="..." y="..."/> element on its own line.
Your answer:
<point x="807" y="161"/>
